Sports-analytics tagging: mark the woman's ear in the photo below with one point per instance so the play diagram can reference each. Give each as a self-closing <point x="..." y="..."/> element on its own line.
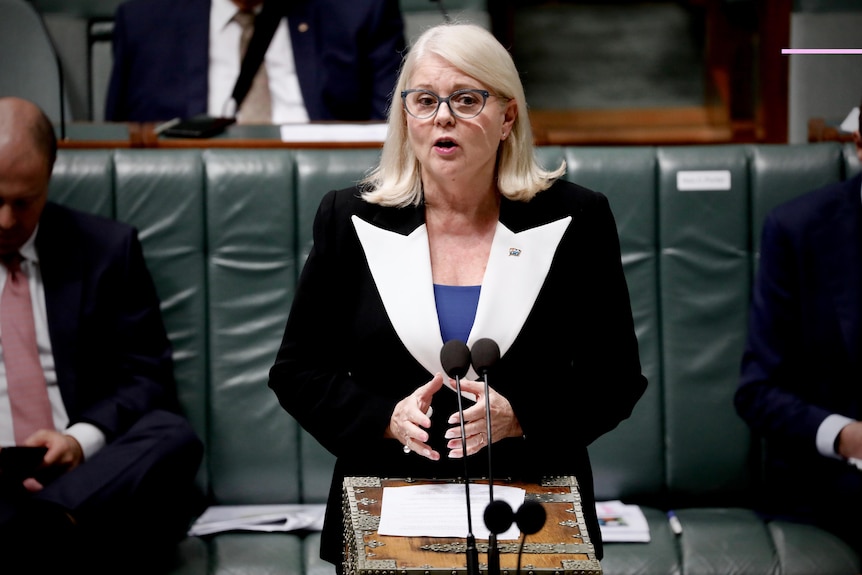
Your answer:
<point x="509" y="117"/>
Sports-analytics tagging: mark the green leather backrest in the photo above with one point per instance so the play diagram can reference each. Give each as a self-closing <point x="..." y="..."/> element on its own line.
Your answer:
<point x="780" y="172"/>
<point x="704" y="276"/>
<point x="84" y="179"/>
<point x="250" y="278"/>
<point x="319" y="171"/>
<point x="162" y="194"/>
<point x="627" y="177"/>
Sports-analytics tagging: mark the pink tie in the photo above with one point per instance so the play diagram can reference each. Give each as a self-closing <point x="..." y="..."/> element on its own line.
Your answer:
<point x="25" y="381"/>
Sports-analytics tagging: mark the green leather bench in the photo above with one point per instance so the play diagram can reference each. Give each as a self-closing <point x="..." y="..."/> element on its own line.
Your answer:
<point x="225" y="232"/>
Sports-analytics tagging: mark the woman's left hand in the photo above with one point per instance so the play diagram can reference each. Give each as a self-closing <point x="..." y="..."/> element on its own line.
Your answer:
<point x="504" y="423"/>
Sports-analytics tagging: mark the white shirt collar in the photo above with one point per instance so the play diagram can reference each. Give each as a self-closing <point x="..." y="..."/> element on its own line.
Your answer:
<point x="28" y="249"/>
<point x="222" y="12"/>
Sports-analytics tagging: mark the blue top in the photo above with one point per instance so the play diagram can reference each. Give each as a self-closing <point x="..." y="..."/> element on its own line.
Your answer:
<point x="456" y="310"/>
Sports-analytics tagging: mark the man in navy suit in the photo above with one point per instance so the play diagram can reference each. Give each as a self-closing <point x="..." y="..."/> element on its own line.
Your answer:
<point x="801" y="380"/>
<point x="118" y="475"/>
<point x="328" y="60"/>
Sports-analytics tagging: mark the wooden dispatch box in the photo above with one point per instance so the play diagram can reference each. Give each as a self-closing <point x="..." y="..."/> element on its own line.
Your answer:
<point x="562" y="547"/>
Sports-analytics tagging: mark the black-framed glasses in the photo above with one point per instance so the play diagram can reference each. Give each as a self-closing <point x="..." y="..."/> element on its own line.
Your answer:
<point x="464" y="104"/>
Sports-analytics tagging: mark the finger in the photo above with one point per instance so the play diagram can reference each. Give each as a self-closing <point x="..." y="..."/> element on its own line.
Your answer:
<point x="436" y="383"/>
<point x="473" y="414"/>
<point x="39" y="438"/>
<point x="473" y="441"/>
<point x="470" y="430"/>
<point x="47" y="438"/>
<point x="475" y="388"/>
<point x="474" y="444"/>
<point x="417" y="415"/>
<point x="423" y="397"/>
<point x="471" y="394"/>
<point x="413" y="432"/>
<point x="428" y="390"/>
<point x="420" y="448"/>
<point x="32" y="485"/>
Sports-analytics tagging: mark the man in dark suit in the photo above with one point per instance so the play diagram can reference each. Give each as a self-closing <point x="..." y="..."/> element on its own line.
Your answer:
<point x="167" y="54"/>
<point x="118" y="475"/>
<point x="801" y="380"/>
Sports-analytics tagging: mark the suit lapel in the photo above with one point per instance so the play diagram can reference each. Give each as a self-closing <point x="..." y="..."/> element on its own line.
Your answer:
<point x="306" y="58"/>
<point x="194" y="46"/>
<point x="400" y="266"/>
<point x="517" y="268"/>
<point x="62" y="277"/>
<point x="841" y="238"/>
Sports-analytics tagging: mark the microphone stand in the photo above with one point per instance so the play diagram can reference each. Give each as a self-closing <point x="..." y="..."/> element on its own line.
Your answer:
<point x="493" y="550"/>
<point x="485" y="353"/>
<point x="472" y="550"/>
<point x="443" y="11"/>
<point x="455" y="357"/>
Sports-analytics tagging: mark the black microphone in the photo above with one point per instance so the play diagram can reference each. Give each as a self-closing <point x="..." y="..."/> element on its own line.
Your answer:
<point x="484" y="355"/>
<point x="443" y="11"/>
<point x="455" y="357"/>
<point x="498" y="517"/>
<point x="530" y="518"/>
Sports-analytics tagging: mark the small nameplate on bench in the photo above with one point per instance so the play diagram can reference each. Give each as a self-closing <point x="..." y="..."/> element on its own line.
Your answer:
<point x="703" y="180"/>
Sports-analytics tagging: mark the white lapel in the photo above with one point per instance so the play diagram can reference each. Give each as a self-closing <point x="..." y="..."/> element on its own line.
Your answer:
<point x="401" y="268"/>
<point x="517" y="268"/>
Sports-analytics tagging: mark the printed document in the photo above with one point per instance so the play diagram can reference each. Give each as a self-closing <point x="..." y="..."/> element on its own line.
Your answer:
<point x="440" y="510"/>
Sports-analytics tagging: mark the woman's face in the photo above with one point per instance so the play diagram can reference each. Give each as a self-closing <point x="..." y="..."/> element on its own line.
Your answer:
<point x="450" y="148"/>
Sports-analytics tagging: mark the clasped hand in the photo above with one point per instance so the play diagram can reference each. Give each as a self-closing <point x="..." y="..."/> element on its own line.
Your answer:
<point x="412" y="417"/>
<point x="64" y="454"/>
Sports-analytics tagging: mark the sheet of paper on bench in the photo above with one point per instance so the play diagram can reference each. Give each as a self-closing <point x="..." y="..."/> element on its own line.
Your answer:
<point x="374" y="132"/>
<point x="440" y="510"/>
<point x="620" y="522"/>
<point x="269" y="518"/>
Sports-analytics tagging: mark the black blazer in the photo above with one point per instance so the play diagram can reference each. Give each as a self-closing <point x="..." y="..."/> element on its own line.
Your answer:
<point x="802" y="359"/>
<point x="347" y="56"/>
<point x="363" y="334"/>
<point x="111" y="352"/>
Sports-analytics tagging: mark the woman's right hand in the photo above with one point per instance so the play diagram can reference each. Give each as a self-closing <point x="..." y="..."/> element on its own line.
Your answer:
<point x="412" y="416"/>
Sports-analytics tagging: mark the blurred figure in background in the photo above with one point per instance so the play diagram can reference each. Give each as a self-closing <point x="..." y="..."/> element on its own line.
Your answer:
<point x="86" y="371"/>
<point x="328" y="60"/>
<point x="801" y="381"/>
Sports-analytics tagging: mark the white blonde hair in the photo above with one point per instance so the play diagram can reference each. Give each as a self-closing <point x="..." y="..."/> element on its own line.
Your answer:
<point x="396" y="180"/>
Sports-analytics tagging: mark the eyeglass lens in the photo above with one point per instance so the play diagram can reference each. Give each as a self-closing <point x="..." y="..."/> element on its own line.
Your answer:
<point x="464" y="104"/>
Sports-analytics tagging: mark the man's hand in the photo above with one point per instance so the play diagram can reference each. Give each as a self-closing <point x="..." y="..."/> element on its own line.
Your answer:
<point x="849" y="444"/>
<point x="64" y="454"/>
